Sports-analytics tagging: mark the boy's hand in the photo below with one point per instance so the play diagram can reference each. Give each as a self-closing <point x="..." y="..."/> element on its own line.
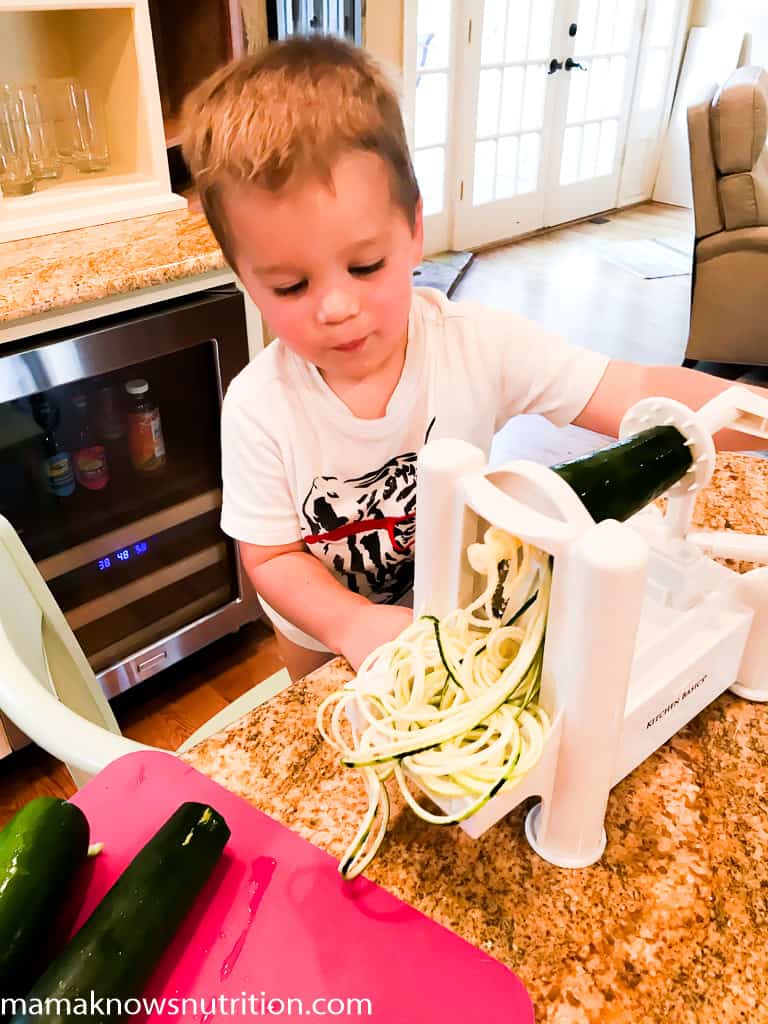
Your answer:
<point x="369" y="626"/>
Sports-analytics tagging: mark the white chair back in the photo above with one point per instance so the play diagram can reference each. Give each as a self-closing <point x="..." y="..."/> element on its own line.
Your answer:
<point x="48" y="689"/>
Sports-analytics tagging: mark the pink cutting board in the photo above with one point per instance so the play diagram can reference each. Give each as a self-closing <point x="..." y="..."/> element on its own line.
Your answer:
<point x="276" y="920"/>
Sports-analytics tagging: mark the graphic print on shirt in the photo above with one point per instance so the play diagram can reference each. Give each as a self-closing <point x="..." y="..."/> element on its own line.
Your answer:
<point x="363" y="528"/>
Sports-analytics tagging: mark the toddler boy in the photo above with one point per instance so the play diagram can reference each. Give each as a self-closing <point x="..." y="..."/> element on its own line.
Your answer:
<point x="303" y="167"/>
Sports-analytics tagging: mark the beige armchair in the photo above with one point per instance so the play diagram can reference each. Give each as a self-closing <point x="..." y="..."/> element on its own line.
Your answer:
<point x="729" y="170"/>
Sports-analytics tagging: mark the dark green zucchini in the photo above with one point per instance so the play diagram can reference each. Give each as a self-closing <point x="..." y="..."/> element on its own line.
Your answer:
<point x="618" y="481"/>
<point x="114" y="953"/>
<point x="42" y="849"/>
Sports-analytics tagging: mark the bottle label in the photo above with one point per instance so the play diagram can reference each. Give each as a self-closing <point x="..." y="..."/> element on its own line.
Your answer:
<point x="91" y="467"/>
<point x="58" y="471"/>
<point x="146" y="437"/>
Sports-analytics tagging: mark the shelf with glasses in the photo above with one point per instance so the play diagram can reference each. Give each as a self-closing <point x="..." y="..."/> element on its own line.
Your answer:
<point x="100" y="52"/>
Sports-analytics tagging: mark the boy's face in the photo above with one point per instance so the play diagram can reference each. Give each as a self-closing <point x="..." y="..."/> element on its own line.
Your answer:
<point x="330" y="270"/>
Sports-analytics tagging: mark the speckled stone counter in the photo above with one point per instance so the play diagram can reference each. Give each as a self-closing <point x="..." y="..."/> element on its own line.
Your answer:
<point x="56" y="271"/>
<point x="670" y="926"/>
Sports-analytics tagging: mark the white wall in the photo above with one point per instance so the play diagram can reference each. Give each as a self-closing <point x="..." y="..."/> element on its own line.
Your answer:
<point x="383" y="31"/>
<point x="749" y="15"/>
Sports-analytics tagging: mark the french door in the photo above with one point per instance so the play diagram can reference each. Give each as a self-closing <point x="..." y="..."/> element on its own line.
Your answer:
<point x="521" y="108"/>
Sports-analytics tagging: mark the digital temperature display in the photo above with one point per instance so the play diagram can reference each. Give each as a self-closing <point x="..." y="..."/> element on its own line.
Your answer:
<point x="123" y="555"/>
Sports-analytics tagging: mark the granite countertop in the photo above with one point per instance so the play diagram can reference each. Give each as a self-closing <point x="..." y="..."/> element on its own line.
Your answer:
<point x="72" y="267"/>
<point x="670" y="926"/>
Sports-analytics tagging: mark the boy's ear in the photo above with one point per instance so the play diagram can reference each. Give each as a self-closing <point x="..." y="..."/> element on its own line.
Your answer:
<point x="418" y="234"/>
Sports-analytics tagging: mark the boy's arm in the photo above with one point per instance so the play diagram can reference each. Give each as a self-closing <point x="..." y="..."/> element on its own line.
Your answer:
<point x="623" y="384"/>
<point x="300" y="588"/>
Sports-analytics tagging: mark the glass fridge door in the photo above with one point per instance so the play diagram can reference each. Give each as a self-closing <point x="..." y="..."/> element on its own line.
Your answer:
<point x="112" y="478"/>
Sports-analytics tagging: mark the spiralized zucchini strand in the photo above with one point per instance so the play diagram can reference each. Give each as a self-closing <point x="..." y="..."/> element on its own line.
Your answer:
<point x="449" y="707"/>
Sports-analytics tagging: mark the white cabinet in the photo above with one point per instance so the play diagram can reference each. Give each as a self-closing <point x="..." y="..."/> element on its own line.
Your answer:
<point x="107" y="46"/>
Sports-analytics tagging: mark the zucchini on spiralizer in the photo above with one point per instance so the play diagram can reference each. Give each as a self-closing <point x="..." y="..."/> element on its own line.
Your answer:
<point x="42" y="849"/>
<point x="115" y="951"/>
<point x="619" y="480"/>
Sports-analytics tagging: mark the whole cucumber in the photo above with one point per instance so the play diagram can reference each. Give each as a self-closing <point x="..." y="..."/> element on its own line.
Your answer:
<point x="42" y="849"/>
<point x="114" y="953"/>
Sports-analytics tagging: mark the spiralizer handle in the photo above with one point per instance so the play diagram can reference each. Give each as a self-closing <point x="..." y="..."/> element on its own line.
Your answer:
<point x="517" y="518"/>
<point x="738" y="409"/>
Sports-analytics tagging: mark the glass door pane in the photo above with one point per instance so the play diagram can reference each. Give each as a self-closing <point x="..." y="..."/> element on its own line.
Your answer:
<point x="430" y="134"/>
<point x="598" y="76"/>
<point x="597" y="88"/>
<point x="507" y="124"/>
<point x="511" y="101"/>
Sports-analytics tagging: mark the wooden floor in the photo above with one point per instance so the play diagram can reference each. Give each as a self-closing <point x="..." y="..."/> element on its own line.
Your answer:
<point x="563" y="279"/>
<point x="560" y="278"/>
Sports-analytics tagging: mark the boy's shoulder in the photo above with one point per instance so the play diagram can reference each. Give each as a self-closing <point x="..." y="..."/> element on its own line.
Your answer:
<point x="435" y="306"/>
<point x="465" y="318"/>
<point x="259" y="396"/>
<point x="269" y="368"/>
<point x="441" y="320"/>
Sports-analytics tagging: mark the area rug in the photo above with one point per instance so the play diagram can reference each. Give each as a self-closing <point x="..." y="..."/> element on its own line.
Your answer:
<point x="443" y="271"/>
<point x="648" y="258"/>
<point x="679" y="243"/>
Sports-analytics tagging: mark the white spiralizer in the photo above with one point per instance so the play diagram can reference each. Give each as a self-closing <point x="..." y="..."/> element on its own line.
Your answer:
<point x="644" y="629"/>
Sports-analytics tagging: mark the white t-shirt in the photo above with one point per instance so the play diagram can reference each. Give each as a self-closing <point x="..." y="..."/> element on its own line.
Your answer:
<point x="297" y="464"/>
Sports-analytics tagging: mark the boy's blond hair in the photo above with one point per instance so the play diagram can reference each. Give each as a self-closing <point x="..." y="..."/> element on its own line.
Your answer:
<point x="289" y="112"/>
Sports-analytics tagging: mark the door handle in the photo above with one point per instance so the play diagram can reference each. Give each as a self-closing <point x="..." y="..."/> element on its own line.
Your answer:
<point x="555" y="65"/>
<point x="571" y="64"/>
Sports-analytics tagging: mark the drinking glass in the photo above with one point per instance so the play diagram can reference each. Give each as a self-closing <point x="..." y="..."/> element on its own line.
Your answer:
<point x="90" y="151"/>
<point x="54" y="96"/>
<point x="39" y="132"/>
<point x="16" y="178"/>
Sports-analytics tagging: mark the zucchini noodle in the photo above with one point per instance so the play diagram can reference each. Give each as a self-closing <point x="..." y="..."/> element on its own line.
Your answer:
<point x="449" y="707"/>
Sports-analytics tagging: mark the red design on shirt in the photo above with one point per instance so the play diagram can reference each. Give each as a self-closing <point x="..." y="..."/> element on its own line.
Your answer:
<point x="387" y="523"/>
